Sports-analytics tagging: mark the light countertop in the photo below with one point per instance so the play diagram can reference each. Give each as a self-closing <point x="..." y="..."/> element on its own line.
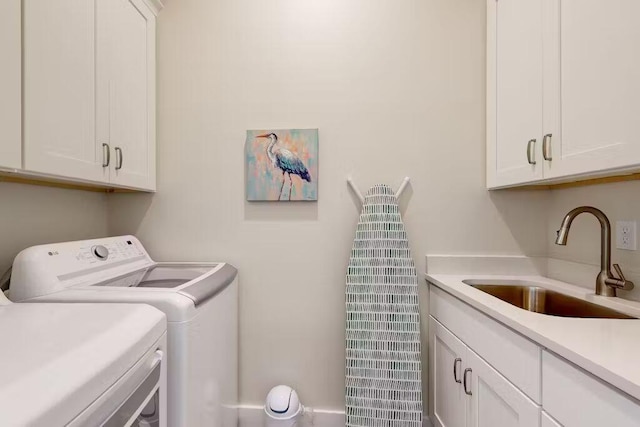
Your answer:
<point x="607" y="348"/>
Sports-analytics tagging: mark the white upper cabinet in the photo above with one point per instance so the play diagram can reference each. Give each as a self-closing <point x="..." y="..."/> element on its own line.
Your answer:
<point x="562" y="73"/>
<point x="547" y="421"/>
<point x="514" y="101"/>
<point x="59" y="90"/>
<point x="89" y="90"/>
<point x="126" y="90"/>
<point x="10" y="81"/>
<point x="594" y="100"/>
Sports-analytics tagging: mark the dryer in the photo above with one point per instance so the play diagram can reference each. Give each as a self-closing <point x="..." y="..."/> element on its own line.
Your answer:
<point x="200" y="301"/>
<point x="82" y="365"/>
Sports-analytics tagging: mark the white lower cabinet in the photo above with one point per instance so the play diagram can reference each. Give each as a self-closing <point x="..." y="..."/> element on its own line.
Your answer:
<point x="449" y="401"/>
<point x="576" y="398"/>
<point x="469" y="386"/>
<point x="494" y="400"/>
<point x="467" y="391"/>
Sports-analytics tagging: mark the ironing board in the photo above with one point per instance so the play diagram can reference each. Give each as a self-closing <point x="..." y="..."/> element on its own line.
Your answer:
<point x="383" y="370"/>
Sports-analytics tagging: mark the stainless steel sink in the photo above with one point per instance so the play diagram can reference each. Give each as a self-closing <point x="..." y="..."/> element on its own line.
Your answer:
<point x="545" y="301"/>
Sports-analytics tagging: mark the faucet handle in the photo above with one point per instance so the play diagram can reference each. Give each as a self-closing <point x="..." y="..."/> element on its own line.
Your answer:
<point x="621" y="282"/>
<point x="618" y="270"/>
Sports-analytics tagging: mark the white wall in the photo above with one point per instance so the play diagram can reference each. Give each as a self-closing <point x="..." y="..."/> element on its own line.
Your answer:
<point x="620" y="202"/>
<point x="395" y="87"/>
<point x="32" y="215"/>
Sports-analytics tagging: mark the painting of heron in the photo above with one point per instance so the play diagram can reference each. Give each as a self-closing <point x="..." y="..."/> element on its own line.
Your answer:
<point x="282" y="165"/>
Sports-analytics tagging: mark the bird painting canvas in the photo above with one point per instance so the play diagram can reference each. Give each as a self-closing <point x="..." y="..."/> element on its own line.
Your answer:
<point x="282" y="165"/>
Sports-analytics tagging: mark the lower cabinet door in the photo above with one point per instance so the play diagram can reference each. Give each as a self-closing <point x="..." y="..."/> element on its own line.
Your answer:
<point x="576" y="398"/>
<point x="494" y="400"/>
<point x="449" y="403"/>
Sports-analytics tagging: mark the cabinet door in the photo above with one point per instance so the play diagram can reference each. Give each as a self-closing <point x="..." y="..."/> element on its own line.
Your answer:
<point x="514" y="91"/>
<point x="576" y="398"/>
<point x="10" y="92"/>
<point x="547" y="421"/>
<point x="594" y="89"/>
<point x="59" y="89"/>
<point x="448" y="402"/>
<point x="126" y="89"/>
<point x="494" y="400"/>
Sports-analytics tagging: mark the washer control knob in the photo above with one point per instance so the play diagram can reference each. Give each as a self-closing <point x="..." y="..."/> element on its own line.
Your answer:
<point x="100" y="252"/>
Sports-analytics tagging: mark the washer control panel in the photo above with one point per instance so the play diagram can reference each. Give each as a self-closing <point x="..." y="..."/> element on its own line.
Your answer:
<point x="113" y="249"/>
<point x="60" y="265"/>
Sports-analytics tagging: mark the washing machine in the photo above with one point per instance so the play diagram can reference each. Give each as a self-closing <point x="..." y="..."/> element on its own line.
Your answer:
<point x="200" y="301"/>
<point x="82" y="365"/>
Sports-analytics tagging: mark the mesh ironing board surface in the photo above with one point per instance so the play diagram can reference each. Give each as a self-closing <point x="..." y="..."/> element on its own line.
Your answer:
<point x="383" y="372"/>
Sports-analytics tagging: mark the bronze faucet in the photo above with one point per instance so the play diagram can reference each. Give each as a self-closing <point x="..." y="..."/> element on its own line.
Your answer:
<point x="606" y="282"/>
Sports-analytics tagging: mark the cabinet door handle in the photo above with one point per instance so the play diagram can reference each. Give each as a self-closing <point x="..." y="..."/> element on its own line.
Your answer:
<point x="106" y="155"/>
<point x="118" y="158"/>
<point x="531" y="154"/>
<point x="464" y="377"/>
<point x="546" y="147"/>
<point x="455" y="370"/>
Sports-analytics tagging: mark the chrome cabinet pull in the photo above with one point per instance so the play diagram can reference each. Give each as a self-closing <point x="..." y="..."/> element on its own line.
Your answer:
<point x="455" y="370"/>
<point x="531" y="154"/>
<point x="546" y="147"/>
<point x="464" y="377"/>
<point x="106" y="155"/>
<point x="118" y="158"/>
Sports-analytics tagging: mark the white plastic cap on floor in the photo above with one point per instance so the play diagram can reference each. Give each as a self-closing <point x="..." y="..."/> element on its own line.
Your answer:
<point x="282" y="403"/>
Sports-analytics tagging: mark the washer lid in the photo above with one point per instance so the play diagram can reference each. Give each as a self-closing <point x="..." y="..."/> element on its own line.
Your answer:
<point x="210" y="284"/>
<point x="57" y="359"/>
<point x="197" y="281"/>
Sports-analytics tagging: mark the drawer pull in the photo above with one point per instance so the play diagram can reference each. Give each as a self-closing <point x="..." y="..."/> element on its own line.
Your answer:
<point x="531" y="154"/>
<point x="118" y="158"/>
<point x="464" y="377"/>
<point x="455" y="370"/>
<point x="546" y="147"/>
<point x="106" y="155"/>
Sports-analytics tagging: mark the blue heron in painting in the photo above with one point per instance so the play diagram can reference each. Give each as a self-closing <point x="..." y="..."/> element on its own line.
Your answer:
<point x="286" y="161"/>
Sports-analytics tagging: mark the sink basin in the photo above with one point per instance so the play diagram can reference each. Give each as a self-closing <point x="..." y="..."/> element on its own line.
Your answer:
<point x="545" y="301"/>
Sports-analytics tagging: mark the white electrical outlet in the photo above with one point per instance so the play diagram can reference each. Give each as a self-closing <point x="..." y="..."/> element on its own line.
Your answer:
<point x="626" y="235"/>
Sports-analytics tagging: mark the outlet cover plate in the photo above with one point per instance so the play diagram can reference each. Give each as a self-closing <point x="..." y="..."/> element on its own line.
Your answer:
<point x="626" y="235"/>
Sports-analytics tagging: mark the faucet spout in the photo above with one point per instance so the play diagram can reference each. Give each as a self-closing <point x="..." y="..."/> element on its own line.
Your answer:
<point x="606" y="282"/>
<point x="562" y="234"/>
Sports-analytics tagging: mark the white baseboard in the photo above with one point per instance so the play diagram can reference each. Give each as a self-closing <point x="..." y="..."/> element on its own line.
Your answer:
<point x="253" y="416"/>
